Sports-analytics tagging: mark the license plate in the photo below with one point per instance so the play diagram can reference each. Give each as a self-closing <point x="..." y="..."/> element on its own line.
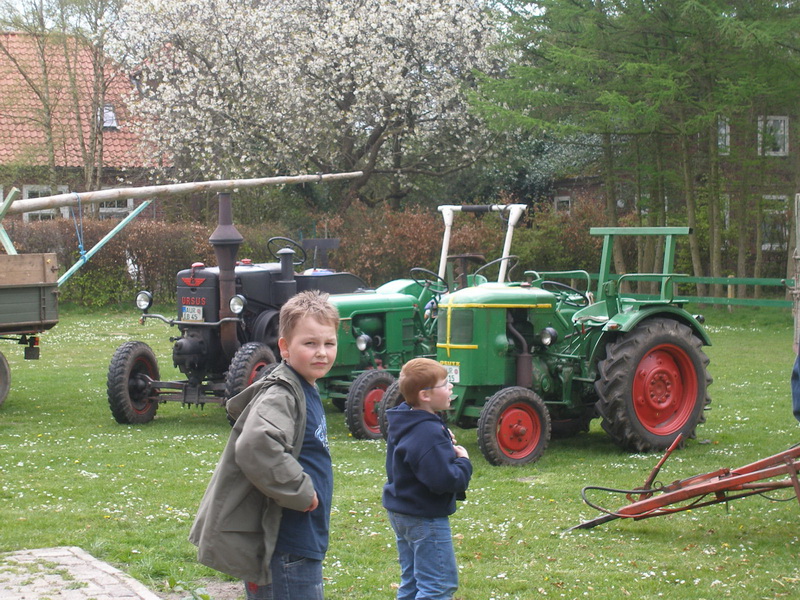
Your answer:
<point x="453" y="373"/>
<point x="192" y="313"/>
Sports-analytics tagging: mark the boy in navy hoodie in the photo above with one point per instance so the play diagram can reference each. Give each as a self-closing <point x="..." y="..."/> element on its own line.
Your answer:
<point x="426" y="472"/>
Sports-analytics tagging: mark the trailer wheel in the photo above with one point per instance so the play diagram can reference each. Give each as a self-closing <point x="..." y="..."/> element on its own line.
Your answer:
<point x="653" y="386"/>
<point x="363" y="400"/>
<point x="130" y="393"/>
<point x="391" y="398"/>
<point x="514" y="427"/>
<point x="5" y="378"/>
<point x="251" y="362"/>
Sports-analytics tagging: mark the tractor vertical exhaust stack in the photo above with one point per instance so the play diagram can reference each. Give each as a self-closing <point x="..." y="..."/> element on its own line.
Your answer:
<point x="226" y="240"/>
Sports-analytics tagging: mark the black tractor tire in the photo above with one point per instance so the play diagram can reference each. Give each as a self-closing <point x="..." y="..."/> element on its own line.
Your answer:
<point x="5" y="379"/>
<point x="653" y="386"/>
<point x="514" y="427"/>
<point x="131" y="397"/>
<point x="391" y="398"/>
<point x="363" y="401"/>
<point x="251" y="362"/>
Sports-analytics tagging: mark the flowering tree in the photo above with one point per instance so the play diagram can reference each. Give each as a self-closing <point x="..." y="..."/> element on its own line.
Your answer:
<point x="234" y="88"/>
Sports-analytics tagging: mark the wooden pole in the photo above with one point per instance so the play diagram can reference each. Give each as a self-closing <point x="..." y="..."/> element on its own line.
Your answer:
<point x="158" y="191"/>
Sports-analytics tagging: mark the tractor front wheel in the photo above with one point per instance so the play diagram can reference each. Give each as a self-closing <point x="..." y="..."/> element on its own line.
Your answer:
<point x="653" y="386"/>
<point x="363" y="400"/>
<point x="5" y="378"/>
<point x="130" y="392"/>
<point x="251" y="362"/>
<point x="514" y="427"/>
<point x="391" y="398"/>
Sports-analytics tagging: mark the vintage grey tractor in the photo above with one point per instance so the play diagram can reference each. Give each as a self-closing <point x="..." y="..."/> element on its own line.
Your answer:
<point x="227" y="319"/>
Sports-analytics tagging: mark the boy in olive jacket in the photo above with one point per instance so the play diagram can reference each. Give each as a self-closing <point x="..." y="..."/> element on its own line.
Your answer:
<point x="266" y="512"/>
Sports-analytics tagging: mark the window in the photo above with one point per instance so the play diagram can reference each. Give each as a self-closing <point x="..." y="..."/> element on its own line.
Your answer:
<point x="42" y="191"/>
<point x="116" y="209"/>
<point x="723" y="135"/>
<point x="773" y="136"/>
<point x="460" y="326"/>
<point x="774" y="224"/>
<point x="562" y="204"/>
<point x="109" y="117"/>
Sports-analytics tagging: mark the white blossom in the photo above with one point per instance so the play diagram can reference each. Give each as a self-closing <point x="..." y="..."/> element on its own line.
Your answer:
<point x="248" y="88"/>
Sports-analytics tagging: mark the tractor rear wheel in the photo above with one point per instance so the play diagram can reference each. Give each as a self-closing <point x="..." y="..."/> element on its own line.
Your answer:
<point x="653" y="386"/>
<point x="250" y="363"/>
<point x="514" y="427"/>
<point x="130" y="392"/>
<point x="363" y="400"/>
<point x="5" y="378"/>
<point x="391" y="398"/>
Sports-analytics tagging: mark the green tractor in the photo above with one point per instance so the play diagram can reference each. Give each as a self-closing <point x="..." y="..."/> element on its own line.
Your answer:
<point x="538" y="357"/>
<point x="383" y="328"/>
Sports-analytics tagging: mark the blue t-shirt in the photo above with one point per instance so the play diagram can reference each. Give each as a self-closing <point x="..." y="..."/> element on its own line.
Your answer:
<point x="306" y="533"/>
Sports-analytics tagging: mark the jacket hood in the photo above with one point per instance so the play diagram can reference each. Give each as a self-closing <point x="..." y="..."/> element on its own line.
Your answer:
<point x="402" y="419"/>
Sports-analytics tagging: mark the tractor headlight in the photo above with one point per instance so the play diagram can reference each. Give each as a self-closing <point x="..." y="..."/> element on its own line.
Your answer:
<point x="548" y="336"/>
<point x="363" y="342"/>
<point x="237" y="304"/>
<point x="144" y="300"/>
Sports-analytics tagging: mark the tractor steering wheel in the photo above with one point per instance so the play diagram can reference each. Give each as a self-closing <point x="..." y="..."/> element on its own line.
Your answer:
<point x="513" y="261"/>
<point x="278" y="243"/>
<point x="430" y="280"/>
<point x="563" y="287"/>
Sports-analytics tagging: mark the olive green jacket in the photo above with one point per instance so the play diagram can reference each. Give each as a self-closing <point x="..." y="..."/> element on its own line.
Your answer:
<point x="258" y="474"/>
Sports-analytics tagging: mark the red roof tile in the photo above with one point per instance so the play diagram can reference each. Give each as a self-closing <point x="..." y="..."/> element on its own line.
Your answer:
<point x="24" y="96"/>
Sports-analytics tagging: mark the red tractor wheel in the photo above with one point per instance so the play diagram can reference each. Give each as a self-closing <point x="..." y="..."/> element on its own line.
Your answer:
<point x="131" y="396"/>
<point x="363" y="400"/>
<point x="391" y="398"/>
<point x="653" y="386"/>
<point x="251" y="362"/>
<point x="514" y="427"/>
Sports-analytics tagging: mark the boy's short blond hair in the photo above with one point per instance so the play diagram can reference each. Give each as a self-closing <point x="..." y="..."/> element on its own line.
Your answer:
<point x="311" y="303"/>
<point x="417" y="375"/>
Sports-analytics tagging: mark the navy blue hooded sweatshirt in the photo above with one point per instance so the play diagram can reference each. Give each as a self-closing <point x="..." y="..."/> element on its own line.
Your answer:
<point x="424" y="473"/>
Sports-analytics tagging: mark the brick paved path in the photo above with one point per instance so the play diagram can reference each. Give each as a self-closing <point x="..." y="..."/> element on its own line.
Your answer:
<point x="66" y="573"/>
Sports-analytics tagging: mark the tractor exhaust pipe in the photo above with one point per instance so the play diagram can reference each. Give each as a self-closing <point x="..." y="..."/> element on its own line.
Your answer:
<point x="524" y="361"/>
<point x="226" y="241"/>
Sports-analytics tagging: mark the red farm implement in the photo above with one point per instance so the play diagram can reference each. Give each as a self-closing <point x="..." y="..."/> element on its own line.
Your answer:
<point x="767" y="475"/>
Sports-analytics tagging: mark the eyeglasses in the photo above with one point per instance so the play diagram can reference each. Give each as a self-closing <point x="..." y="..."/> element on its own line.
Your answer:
<point x="441" y="385"/>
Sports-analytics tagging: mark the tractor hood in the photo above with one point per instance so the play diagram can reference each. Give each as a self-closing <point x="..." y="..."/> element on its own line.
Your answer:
<point x="371" y="301"/>
<point x="500" y="295"/>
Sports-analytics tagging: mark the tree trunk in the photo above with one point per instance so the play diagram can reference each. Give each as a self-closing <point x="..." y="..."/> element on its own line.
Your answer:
<point x="714" y="225"/>
<point x="610" y="185"/>
<point x="691" y="209"/>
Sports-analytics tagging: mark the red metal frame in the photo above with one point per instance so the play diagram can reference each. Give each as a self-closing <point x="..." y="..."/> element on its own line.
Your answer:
<point x="723" y="485"/>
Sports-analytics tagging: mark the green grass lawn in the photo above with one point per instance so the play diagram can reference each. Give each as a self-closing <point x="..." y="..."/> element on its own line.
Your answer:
<point x="70" y="475"/>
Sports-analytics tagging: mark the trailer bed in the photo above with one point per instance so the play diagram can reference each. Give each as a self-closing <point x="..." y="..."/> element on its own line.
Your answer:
<point x="28" y="293"/>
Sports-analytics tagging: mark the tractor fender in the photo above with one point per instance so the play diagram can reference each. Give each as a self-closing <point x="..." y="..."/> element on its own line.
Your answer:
<point x="624" y="322"/>
<point x="262" y="323"/>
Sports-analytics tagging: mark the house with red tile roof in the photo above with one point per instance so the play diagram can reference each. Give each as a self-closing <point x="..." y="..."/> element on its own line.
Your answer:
<point x="64" y="122"/>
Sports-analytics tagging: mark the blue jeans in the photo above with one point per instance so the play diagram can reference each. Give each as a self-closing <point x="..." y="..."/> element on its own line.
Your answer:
<point x="293" y="578"/>
<point x="796" y="388"/>
<point x="427" y="560"/>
